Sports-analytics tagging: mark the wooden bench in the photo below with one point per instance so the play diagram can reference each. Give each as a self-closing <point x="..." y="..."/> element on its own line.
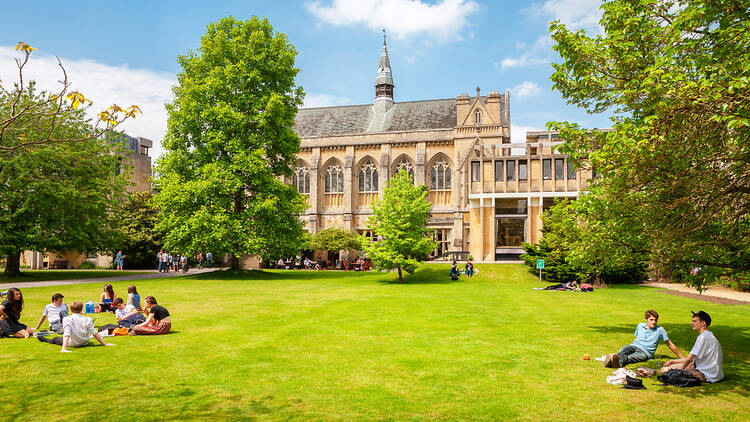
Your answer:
<point x="743" y="283"/>
<point x="59" y="264"/>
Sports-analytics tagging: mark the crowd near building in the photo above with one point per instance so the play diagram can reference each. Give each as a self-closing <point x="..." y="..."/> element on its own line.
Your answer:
<point x="487" y="193"/>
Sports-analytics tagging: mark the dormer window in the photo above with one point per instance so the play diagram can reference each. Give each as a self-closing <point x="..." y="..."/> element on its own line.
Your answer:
<point x="477" y="117"/>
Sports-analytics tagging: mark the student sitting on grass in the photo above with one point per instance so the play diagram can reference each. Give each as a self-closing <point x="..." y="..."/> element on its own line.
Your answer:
<point x="54" y="312"/>
<point x="705" y="360"/>
<point x="107" y="298"/>
<point x="469" y="268"/>
<point x="158" y="321"/>
<point x="647" y="337"/>
<point x="127" y="315"/>
<point x="10" y="314"/>
<point x="454" y="271"/>
<point x="134" y="298"/>
<point x="77" y="330"/>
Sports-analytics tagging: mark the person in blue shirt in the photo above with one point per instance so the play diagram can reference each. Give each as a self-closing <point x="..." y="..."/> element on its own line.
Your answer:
<point x="647" y="337"/>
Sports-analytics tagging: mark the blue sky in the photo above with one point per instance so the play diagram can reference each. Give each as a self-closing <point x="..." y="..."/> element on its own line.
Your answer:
<point x="126" y="52"/>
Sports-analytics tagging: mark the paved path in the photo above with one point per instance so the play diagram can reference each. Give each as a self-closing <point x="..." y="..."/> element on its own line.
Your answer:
<point x="712" y="291"/>
<point x="123" y="277"/>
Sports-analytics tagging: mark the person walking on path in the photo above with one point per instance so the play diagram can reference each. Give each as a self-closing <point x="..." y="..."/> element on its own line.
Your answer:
<point x="119" y="260"/>
<point x="209" y="259"/>
<point x="200" y="260"/>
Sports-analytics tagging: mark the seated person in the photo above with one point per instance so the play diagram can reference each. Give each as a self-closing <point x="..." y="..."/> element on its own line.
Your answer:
<point x="647" y="337"/>
<point x="280" y="264"/>
<point x="10" y="314"/>
<point x="469" y="268"/>
<point x="705" y="360"/>
<point x="308" y="263"/>
<point x="158" y="321"/>
<point x="54" y="312"/>
<point x="77" y="330"/>
<point x="127" y="315"/>
<point x="454" y="271"/>
<point x="134" y="298"/>
<point x="107" y="298"/>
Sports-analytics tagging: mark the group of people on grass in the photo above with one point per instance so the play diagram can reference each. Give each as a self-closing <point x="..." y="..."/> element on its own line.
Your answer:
<point x="705" y="360"/>
<point x="75" y="328"/>
<point x="456" y="272"/>
<point x="360" y="264"/>
<point x="167" y="262"/>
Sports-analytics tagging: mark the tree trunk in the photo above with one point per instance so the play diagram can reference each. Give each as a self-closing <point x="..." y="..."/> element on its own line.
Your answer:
<point x="400" y="276"/>
<point x="234" y="261"/>
<point x="13" y="264"/>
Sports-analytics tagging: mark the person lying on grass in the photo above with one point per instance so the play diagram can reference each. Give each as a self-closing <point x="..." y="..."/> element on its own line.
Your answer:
<point x="77" y="330"/>
<point x="647" y="337"/>
<point x="54" y="312"/>
<point x="158" y="321"/>
<point x="705" y="360"/>
<point x="127" y="315"/>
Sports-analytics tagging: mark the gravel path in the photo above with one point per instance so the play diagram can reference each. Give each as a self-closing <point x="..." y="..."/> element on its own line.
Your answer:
<point x="715" y="294"/>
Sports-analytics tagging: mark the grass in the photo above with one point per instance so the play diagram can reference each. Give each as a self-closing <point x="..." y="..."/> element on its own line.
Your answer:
<point x="46" y="275"/>
<point x="280" y="345"/>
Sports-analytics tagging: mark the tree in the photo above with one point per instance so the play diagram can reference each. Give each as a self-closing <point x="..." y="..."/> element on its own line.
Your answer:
<point x="400" y="219"/>
<point x="57" y="187"/>
<point x="141" y="240"/>
<point x="335" y="239"/>
<point x="230" y="142"/>
<point x="674" y="173"/>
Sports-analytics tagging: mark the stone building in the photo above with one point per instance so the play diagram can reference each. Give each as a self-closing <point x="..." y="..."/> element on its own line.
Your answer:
<point x="486" y="192"/>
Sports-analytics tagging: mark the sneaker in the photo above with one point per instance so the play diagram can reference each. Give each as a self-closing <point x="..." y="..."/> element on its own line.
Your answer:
<point x="608" y="361"/>
<point x="615" y="360"/>
<point x="132" y="333"/>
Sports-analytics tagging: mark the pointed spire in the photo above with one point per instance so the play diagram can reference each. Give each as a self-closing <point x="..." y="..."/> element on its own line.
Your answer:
<point x="384" y="81"/>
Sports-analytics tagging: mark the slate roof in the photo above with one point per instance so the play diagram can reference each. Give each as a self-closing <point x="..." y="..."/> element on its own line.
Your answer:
<point x="361" y="119"/>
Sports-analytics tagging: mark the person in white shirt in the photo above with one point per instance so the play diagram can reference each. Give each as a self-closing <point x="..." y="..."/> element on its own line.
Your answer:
<point x="77" y="330"/>
<point x="705" y="360"/>
<point x="127" y="315"/>
<point x="54" y="312"/>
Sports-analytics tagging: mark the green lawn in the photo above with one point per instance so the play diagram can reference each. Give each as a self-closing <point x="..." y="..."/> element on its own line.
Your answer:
<point x="281" y="345"/>
<point x="46" y="275"/>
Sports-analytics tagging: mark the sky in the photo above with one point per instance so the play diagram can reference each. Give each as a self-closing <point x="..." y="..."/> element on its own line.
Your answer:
<point x="126" y="53"/>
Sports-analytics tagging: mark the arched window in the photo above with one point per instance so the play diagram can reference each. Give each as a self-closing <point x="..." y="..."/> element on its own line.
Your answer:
<point x="301" y="179"/>
<point x="334" y="182"/>
<point x="440" y="175"/>
<point x="477" y="117"/>
<point x="368" y="177"/>
<point x="405" y="165"/>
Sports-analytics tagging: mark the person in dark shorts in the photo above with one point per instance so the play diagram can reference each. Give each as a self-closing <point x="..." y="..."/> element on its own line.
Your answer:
<point x="158" y="321"/>
<point x="10" y="314"/>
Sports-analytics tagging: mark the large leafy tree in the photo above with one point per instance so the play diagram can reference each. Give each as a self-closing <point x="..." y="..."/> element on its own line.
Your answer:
<point x="58" y="187"/>
<point x="230" y="142"/>
<point x="335" y="239"/>
<point x="400" y="220"/>
<point x="674" y="173"/>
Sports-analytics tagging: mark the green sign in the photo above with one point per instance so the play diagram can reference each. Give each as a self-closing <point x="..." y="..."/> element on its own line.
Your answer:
<point x="539" y="264"/>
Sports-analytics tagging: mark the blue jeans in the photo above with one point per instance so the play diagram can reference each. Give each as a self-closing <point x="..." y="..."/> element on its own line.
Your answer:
<point x="631" y="354"/>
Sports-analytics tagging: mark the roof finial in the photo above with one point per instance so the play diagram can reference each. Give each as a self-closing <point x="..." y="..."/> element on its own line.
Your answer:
<point x="477" y="90"/>
<point x="383" y="36"/>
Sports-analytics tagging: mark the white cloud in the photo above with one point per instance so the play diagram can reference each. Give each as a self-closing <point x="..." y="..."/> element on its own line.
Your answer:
<point x="402" y="18"/>
<point x="538" y="54"/>
<point x="104" y="85"/>
<point x="526" y="89"/>
<point x="324" y="100"/>
<point x="575" y="14"/>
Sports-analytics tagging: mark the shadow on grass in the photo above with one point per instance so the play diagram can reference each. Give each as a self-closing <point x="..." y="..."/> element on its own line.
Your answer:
<point x="426" y="274"/>
<point x="279" y="275"/>
<point x="735" y="343"/>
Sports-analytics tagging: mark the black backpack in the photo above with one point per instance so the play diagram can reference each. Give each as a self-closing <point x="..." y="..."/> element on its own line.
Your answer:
<point x="680" y="378"/>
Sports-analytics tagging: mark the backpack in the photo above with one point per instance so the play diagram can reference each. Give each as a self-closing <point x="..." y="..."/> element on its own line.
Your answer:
<point x="680" y="378"/>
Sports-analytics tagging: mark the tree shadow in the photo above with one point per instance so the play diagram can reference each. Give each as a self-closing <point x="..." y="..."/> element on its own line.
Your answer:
<point x="266" y="274"/>
<point x="426" y="274"/>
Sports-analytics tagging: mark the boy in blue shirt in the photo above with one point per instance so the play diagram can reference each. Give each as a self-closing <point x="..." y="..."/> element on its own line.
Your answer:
<point x="647" y="337"/>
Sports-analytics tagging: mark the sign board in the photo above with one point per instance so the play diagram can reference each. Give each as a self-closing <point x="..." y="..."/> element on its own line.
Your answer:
<point x="539" y="264"/>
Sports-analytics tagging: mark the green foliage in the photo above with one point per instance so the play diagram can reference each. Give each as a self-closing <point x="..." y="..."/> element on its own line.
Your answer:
<point x="86" y="265"/>
<point x="335" y="239"/>
<point x="57" y="196"/>
<point x="400" y="219"/>
<point x="229" y="143"/>
<point x="141" y="239"/>
<point x="675" y="170"/>
<point x="574" y="250"/>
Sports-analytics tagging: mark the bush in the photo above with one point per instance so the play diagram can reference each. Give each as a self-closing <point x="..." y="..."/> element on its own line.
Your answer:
<point x="86" y="265"/>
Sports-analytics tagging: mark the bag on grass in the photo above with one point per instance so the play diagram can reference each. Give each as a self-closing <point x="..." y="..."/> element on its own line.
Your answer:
<point x="679" y="378"/>
<point x="89" y="309"/>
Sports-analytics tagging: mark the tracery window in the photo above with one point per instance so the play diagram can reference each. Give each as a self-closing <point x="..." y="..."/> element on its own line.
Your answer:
<point x="405" y="165"/>
<point x="478" y="117"/>
<point x="334" y="179"/>
<point x="440" y="175"/>
<point x="301" y="179"/>
<point x="368" y="177"/>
